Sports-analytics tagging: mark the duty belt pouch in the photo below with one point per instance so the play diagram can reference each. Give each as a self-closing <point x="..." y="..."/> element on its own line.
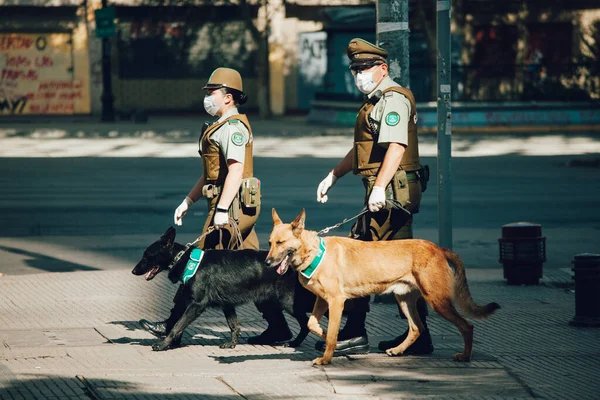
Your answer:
<point x="250" y="192"/>
<point x="399" y="185"/>
<point x="369" y="182"/>
<point x="210" y="191"/>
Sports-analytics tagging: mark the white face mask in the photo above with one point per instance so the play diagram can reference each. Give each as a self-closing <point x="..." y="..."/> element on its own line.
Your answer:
<point x="364" y="82"/>
<point x="210" y="106"/>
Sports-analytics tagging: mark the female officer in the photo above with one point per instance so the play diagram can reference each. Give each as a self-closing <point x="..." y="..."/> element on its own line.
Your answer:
<point x="226" y="149"/>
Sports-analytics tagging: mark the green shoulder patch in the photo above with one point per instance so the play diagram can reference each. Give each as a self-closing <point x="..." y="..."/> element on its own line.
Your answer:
<point x="233" y="121"/>
<point x="392" y="118"/>
<point x="237" y="138"/>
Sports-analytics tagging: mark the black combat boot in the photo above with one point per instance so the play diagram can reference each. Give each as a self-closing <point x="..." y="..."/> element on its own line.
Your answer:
<point x="162" y="328"/>
<point x="423" y="344"/>
<point x="353" y="338"/>
<point x="278" y="331"/>
<point x="158" y="329"/>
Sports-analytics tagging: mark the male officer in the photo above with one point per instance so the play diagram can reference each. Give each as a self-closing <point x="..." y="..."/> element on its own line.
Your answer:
<point x="386" y="155"/>
<point x="226" y="150"/>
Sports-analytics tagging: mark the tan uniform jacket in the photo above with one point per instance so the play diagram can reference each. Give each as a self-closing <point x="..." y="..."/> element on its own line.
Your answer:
<point x="215" y="172"/>
<point x="213" y="160"/>
<point x="368" y="156"/>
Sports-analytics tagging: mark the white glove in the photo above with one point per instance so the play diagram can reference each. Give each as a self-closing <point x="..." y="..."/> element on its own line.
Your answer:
<point x="181" y="210"/>
<point x="324" y="187"/>
<point x="221" y="219"/>
<point x="377" y="199"/>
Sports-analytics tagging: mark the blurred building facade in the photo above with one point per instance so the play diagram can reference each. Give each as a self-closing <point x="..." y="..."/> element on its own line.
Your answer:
<point x="164" y="51"/>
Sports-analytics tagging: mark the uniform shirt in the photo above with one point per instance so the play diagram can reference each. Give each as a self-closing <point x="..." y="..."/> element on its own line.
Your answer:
<point x="390" y="115"/>
<point x="232" y="137"/>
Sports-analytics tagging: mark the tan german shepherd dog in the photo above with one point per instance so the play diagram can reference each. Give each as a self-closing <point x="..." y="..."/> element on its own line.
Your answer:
<point x="352" y="268"/>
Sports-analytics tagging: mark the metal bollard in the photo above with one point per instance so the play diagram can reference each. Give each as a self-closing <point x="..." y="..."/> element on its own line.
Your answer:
<point x="523" y="252"/>
<point x="586" y="273"/>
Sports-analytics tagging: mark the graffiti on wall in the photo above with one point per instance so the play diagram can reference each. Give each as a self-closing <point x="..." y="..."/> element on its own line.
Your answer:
<point x="36" y="74"/>
<point x="312" y="66"/>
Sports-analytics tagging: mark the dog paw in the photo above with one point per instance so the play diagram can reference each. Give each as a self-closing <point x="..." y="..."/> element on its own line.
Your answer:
<point x="160" y="346"/>
<point x="166" y="345"/>
<point x="227" y="345"/>
<point x="392" y="353"/>
<point x="320" y="361"/>
<point x="461" y="357"/>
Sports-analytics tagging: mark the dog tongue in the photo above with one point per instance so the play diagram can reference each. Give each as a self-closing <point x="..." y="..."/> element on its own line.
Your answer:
<point x="150" y="274"/>
<point x="282" y="266"/>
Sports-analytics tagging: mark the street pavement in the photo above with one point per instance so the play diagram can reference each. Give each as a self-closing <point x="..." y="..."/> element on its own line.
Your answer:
<point x="73" y="334"/>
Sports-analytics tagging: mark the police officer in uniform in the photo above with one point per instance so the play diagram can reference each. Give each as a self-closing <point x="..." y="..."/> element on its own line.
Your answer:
<point x="386" y="156"/>
<point x="226" y="149"/>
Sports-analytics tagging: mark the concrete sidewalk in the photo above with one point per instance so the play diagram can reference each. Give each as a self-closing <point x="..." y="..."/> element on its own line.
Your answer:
<point x="74" y="336"/>
<point x="284" y="137"/>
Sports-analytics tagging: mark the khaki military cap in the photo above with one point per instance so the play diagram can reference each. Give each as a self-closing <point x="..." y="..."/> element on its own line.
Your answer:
<point x="360" y="51"/>
<point x="224" y="78"/>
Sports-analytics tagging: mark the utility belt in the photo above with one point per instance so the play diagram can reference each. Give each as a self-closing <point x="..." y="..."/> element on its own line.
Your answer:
<point x="398" y="189"/>
<point x="247" y="198"/>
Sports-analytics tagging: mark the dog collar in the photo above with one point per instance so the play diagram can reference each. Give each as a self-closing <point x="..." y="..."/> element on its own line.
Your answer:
<point x="310" y="270"/>
<point x="192" y="265"/>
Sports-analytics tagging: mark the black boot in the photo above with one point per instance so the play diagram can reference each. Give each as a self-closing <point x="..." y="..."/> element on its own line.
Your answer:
<point x="353" y="338"/>
<point x="423" y="344"/>
<point x="158" y="329"/>
<point x="278" y="331"/>
<point x="162" y="328"/>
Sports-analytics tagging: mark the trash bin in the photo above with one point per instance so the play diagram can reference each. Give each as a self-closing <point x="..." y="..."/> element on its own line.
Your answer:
<point x="586" y="273"/>
<point x="522" y="252"/>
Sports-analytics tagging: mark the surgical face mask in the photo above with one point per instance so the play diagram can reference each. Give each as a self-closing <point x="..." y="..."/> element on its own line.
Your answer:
<point x="364" y="82"/>
<point x="210" y="106"/>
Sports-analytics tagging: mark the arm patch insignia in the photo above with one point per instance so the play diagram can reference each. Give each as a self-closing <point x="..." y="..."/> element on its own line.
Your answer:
<point x="392" y="118"/>
<point x="237" y="139"/>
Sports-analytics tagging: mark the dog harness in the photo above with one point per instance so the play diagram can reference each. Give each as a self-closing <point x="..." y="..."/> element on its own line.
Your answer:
<point x="192" y="265"/>
<point x="310" y="270"/>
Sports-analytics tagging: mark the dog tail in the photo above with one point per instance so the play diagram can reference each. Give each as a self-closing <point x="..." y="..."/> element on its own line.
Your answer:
<point x="462" y="293"/>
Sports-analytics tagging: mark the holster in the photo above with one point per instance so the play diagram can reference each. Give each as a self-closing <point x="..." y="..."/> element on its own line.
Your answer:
<point x="423" y="175"/>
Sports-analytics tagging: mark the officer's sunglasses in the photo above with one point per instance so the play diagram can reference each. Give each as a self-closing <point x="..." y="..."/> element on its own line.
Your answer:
<point x="355" y="69"/>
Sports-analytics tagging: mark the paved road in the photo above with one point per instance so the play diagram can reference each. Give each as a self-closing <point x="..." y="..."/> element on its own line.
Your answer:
<point x="86" y="196"/>
<point x="101" y="212"/>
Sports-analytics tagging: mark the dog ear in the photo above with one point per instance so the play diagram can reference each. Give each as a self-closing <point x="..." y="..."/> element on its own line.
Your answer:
<point x="298" y="224"/>
<point x="169" y="236"/>
<point x="276" y="219"/>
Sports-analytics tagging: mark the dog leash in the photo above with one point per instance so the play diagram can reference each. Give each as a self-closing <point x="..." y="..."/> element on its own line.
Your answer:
<point x="210" y="229"/>
<point x="325" y="230"/>
<point x="389" y="204"/>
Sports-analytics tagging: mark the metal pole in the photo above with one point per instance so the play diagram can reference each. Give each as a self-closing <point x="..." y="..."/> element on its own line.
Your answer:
<point x="108" y="112"/>
<point x="444" y="133"/>
<point x="392" y="35"/>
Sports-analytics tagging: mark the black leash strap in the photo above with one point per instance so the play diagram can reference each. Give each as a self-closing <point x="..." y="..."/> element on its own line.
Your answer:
<point x="390" y="204"/>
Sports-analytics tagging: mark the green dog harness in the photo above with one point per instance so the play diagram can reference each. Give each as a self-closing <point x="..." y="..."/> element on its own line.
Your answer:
<point x="310" y="270"/>
<point x="192" y="265"/>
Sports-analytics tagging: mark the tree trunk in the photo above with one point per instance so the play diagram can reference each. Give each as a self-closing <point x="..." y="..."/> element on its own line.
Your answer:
<point x="431" y="40"/>
<point x="262" y="66"/>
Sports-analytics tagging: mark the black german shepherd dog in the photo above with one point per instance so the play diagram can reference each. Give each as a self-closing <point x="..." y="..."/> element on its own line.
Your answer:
<point x="225" y="278"/>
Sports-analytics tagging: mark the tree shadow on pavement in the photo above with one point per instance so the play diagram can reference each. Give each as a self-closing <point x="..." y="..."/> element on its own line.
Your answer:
<point x="189" y="338"/>
<point x="80" y="387"/>
<point x="46" y="263"/>
<point x="298" y="355"/>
